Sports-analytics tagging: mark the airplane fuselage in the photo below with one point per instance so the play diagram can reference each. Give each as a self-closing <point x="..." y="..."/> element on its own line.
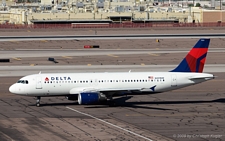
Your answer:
<point x="90" y="88"/>
<point x="75" y="83"/>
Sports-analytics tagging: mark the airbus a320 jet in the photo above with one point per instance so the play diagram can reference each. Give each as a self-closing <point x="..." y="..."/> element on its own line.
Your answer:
<point x="89" y="88"/>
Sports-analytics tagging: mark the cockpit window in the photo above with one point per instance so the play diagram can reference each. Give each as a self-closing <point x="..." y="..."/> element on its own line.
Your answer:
<point x="23" y="81"/>
<point x="20" y="81"/>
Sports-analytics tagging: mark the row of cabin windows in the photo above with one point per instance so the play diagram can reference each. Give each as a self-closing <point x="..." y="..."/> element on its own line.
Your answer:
<point x="102" y="81"/>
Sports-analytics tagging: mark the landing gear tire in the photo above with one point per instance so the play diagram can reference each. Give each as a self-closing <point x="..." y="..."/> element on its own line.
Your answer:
<point x="110" y="101"/>
<point x="38" y="101"/>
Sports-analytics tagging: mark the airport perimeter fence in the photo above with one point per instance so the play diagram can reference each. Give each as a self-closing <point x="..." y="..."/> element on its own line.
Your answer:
<point x="109" y="25"/>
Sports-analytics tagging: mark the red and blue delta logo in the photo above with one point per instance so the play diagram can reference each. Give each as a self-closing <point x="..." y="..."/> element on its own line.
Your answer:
<point x="46" y="79"/>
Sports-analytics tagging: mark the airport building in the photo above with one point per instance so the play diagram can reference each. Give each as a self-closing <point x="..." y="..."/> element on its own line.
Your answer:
<point x="110" y="11"/>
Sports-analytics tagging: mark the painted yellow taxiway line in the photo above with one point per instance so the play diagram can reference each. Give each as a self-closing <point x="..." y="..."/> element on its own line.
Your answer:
<point x="112" y="55"/>
<point x="18" y="59"/>
<point x="67" y="57"/>
<point x="153" y="54"/>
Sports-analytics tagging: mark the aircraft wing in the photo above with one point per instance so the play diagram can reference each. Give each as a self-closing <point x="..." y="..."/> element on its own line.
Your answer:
<point x="91" y="89"/>
<point x="118" y="89"/>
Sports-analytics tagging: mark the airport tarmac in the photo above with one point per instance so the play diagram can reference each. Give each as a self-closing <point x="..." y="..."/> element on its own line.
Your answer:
<point x="121" y="44"/>
<point x="192" y="113"/>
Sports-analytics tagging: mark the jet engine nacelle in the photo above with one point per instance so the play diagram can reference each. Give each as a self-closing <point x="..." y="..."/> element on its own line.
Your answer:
<point x="88" y="98"/>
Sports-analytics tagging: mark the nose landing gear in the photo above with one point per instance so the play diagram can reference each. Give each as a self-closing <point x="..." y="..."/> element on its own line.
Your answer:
<point x="38" y="101"/>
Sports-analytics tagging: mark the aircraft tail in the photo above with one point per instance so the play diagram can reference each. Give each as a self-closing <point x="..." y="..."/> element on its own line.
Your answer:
<point x="195" y="59"/>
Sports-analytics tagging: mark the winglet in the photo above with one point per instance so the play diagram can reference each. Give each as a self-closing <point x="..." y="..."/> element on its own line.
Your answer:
<point x="195" y="59"/>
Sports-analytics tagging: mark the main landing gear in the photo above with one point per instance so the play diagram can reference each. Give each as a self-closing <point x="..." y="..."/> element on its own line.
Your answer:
<point x="110" y="101"/>
<point x="38" y="101"/>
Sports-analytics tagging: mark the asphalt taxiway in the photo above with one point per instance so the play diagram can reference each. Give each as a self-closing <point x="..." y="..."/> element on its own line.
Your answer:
<point x="112" y="52"/>
<point x="7" y="71"/>
<point x="195" y="112"/>
<point x="112" y="37"/>
<point x="192" y="113"/>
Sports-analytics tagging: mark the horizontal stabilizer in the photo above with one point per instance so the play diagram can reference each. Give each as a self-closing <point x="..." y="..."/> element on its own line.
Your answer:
<point x="201" y="77"/>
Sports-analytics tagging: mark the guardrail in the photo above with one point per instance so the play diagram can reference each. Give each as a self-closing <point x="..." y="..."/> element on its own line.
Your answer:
<point x="111" y="25"/>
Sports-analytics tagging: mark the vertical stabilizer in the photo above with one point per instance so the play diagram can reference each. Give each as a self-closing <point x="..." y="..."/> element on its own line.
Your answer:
<point x="195" y="59"/>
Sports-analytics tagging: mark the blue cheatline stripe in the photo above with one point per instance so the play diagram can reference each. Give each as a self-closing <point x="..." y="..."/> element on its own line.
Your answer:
<point x="199" y="60"/>
<point x="153" y="88"/>
<point x="202" y="43"/>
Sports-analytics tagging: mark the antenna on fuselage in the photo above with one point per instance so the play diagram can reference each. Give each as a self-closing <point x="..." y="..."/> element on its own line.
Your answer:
<point x="129" y="71"/>
<point x="40" y="72"/>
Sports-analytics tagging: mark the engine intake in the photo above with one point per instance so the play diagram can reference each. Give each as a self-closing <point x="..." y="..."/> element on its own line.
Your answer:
<point x="88" y="98"/>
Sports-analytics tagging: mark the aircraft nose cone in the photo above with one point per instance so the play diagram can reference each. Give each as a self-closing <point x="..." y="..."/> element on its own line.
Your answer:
<point x="12" y="89"/>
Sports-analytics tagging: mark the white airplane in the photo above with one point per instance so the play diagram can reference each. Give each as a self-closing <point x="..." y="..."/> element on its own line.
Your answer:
<point x="89" y="88"/>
